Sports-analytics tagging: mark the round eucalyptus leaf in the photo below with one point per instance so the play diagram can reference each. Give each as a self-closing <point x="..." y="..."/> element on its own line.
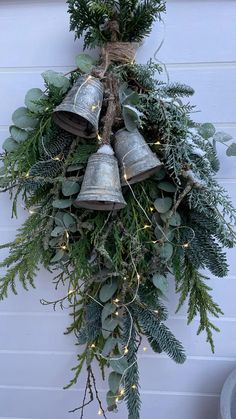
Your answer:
<point x="119" y="365"/>
<point x="108" y="290"/>
<point x="59" y="218"/>
<point x="111" y="401"/>
<point x="18" y="134"/>
<point x="10" y="145"/>
<point x="160" y="282"/>
<point x="130" y="97"/>
<point x="56" y="80"/>
<point x="68" y="220"/>
<point x="231" y="150"/>
<point x="108" y="310"/>
<point x="114" y="381"/>
<point x="57" y="231"/>
<point x="161" y="174"/>
<point x="32" y="99"/>
<point x="74" y="168"/>
<point x="85" y="62"/>
<point x="54" y="242"/>
<point x="222" y="137"/>
<point x="207" y="130"/>
<point x="171" y="234"/>
<point x="22" y="118"/>
<point x="163" y="205"/>
<point x="167" y="186"/>
<point x="131" y="117"/>
<point x="153" y="192"/>
<point x="166" y="251"/>
<point x="62" y="203"/>
<point x="156" y="219"/>
<point x="108" y="326"/>
<point x="70" y="188"/>
<point x="109" y="346"/>
<point x="175" y="220"/>
<point x="58" y="256"/>
<point x="159" y="233"/>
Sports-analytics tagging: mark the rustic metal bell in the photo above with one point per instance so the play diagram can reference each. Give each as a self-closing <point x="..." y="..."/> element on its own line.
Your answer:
<point x="80" y="110"/>
<point x="136" y="160"/>
<point x="101" y="189"/>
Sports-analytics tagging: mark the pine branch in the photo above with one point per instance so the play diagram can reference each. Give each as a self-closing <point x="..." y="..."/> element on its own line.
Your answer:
<point x="134" y="18"/>
<point x="159" y="333"/>
<point x="26" y="255"/>
<point x="190" y="283"/>
<point x="132" y="395"/>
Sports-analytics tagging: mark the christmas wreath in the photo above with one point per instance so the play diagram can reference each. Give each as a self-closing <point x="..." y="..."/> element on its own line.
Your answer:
<point x="120" y="186"/>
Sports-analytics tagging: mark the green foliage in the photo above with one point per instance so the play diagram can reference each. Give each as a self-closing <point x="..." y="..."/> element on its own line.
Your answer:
<point x="55" y="144"/>
<point x="114" y="265"/>
<point x="140" y="75"/>
<point x="177" y="90"/>
<point x="191" y="284"/>
<point x="132" y="395"/>
<point x="90" y="328"/>
<point x="26" y="254"/>
<point x="134" y="19"/>
<point x="158" y="332"/>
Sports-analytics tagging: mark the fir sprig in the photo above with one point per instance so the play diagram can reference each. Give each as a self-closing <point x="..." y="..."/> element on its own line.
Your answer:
<point x="134" y="19"/>
<point x="192" y="284"/>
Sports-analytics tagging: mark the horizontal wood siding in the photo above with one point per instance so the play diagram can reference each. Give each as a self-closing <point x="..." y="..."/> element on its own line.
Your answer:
<point x="35" y="358"/>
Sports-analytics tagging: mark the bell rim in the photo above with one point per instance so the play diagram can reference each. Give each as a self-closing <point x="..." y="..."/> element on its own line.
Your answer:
<point x="80" y="113"/>
<point x="72" y="128"/>
<point x="140" y="177"/>
<point x="97" y="205"/>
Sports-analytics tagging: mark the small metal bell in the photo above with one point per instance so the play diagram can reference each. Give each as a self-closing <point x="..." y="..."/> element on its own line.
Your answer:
<point x="80" y="110"/>
<point x="136" y="160"/>
<point x="101" y="189"/>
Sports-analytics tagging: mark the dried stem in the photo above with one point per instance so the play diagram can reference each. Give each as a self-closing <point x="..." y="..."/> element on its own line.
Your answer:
<point x="111" y="111"/>
<point x="96" y="393"/>
<point x="88" y="388"/>
<point x="185" y="192"/>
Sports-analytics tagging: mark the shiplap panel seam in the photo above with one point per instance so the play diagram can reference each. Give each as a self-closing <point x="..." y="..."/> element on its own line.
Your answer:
<point x="175" y="66"/>
<point x="149" y="392"/>
<point x="210" y="358"/>
<point x="219" y="125"/>
<point x="65" y="315"/>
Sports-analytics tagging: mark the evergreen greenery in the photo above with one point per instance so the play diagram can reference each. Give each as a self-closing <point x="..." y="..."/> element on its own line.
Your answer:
<point x="134" y="19"/>
<point x="115" y="266"/>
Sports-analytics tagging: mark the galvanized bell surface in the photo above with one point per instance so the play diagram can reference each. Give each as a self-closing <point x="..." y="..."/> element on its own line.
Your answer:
<point x="80" y="110"/>
<point x="101" y="189"/>
<point x="136" y="160"/>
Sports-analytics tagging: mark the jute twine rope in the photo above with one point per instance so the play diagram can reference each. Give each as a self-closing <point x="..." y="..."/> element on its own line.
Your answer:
<point x="120" y="52"/>
<point x="115" y="51"/>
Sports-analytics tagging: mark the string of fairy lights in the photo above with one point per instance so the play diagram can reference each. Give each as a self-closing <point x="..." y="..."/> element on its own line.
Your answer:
<point x="119" y="304"/>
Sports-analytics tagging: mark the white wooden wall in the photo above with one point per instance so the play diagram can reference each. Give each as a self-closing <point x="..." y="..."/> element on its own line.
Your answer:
<point x="35" y="357"/>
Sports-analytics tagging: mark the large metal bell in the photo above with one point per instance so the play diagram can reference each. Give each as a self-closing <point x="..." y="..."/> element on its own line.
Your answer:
<point x="136" y="160"/>
<point x="101" y="189"/>
<point x="80" y="110"/>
